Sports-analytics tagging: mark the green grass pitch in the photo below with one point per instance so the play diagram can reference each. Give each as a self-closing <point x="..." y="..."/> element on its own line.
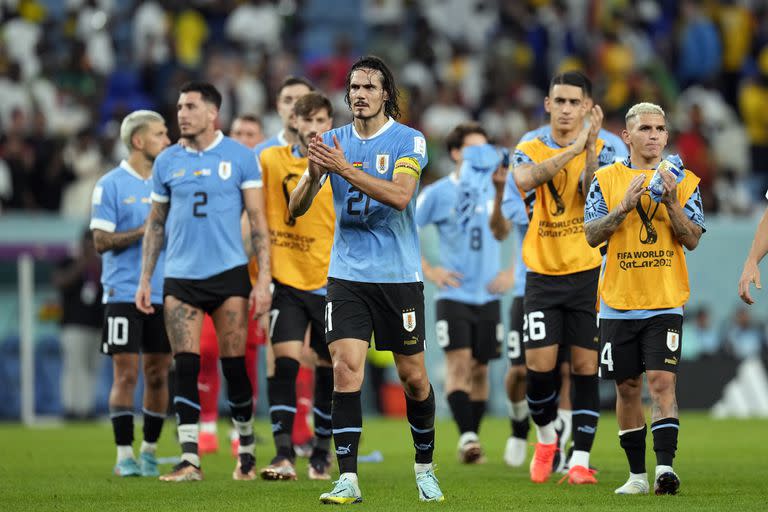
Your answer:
<point x="722" y="465"/>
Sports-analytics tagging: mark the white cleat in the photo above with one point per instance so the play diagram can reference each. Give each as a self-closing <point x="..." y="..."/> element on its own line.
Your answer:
<point x="515" y="452"/>
<point x="634" y="486"/>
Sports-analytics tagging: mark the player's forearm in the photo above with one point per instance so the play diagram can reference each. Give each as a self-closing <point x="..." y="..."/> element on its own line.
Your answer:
<point x="589" y="169"/>
<point x="500" y="227"/>
<point x="390" y="193"/>
<point x="302" y="196"/>
<point x="260" y="243"/>
<point x="760" y="244"/>
<point x="600" y="230"/>
<point x="154" y="237"/>
<point x="104" y="241"/>
<point x="687" y="232"/>
<point x="426" y="268"/>
<point x="528" y="177"/>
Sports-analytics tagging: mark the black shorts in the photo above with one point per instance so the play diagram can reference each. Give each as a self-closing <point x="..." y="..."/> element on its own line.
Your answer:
<point x="128" y="330"/>
<point x="478" y="327"/>
<point x="630" y="347"/>
<point x="292" y="311"/>
<point x="515" y="351"/>
<point x="560" y="310"/>
<point x="392" y="312"/>
<point x="210" y="293"/>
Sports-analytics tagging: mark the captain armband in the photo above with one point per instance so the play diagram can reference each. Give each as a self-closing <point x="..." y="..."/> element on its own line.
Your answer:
<point x="408" y="165"/>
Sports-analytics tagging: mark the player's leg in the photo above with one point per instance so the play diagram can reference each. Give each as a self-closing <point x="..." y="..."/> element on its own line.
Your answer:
<point x="319" y="460"/>
<point x="487" y="335"/>
<point x="564" y="421"/>
<point x="662" y="349"/>
<point x="183" y="323"/>
<point x="478" y="394"/>
<point x="514" y="382"/>
<point x="208" y="384"/>
<point x="301" y="436"/>
<point x="230" y="320"/>
<point x="256" y="338"/>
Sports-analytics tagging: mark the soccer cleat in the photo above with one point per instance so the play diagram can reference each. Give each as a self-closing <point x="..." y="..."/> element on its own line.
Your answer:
<point x="148" y="463"/>
<point x="279" y="469"/>
<point x="515" y="451"/>
<point x="541" y="464"/>
<point x="127" y="467"/>
<point x="578" y="475"/>
<point x="319" y="466"/>
<point x="207" y="442"/>
<point x="345" y="492"/>
<point x="634" y="486"/>
<point x="427" y="483"/>
<point x="245" y="468"/>
<point x="666" y="483"/>
<point x="184" y="471"/>
<point x="471" y="453"/>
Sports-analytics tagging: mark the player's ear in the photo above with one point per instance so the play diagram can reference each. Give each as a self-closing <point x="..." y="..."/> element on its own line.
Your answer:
<point x="625" y="136"/>
<point x="547" y="105"/>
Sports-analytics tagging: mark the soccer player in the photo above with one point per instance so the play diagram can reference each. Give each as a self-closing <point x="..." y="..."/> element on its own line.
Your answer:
<point x="291" y="89"/>
<point x="561" y="283"/>
<point x="300" y="252"/>
<point x="245" y="129"/>
<point x="374" y="278"/>
<point x="643" y="288"/>
<point x="199" y="191"/>
<point x="751" y="273"/>
<point x="470" y="279"/>
<point x="121" y="203"/>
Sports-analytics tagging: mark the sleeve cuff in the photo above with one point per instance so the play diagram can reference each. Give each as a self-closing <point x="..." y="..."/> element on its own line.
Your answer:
<point x="251" y="184"/>
<point x="103" y="225"/>
<point x="159" y="198"/>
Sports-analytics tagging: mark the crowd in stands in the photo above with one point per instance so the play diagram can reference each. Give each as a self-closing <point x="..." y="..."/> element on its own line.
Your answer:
<point x="70" y="70"/>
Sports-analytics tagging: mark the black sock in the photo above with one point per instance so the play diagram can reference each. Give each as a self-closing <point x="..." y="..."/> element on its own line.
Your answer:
<point x="586" y="411"/>
<point x="347" y="416"/>
<point x="461" y="408"/>
<point x="520" y="428"/>
<point x="153" y="425"/>
<point x="122" y="424"/>
<point x="665" y="433"/>
<point x="421" y="417"/>
<point x="239" y="396"/>
<point x="322" y="408"/>
<point x="478" y="411"/>
<point x="281" y="389"/>
<point x="187" y="400"/>
<point x="542" y="396"/>
<point x="634" y="446"/>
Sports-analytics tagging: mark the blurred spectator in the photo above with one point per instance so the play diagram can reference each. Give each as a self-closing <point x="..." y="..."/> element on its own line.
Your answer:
<point x="700" y="50"/>
<point x="190" y="33"/>
<point x="247" y="130"/>
<point x="78" y="281"/>
<point x="701" y="337"/>
<point x="752" y="101"/>
<point x="248" y="15"/>
<point x="693" y="147"/>
<point x="83" y="156"/>
<point x="737" y="28"/>
<point x="743" y="336"/>
<point x="446" y="112"/>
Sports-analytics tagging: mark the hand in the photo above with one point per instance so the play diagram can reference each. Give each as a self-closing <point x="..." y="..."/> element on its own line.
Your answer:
<point x="260" y="300"/>
<point x="143" y="298"/>
<point x="634" y="191"/>
<point x="502" y="282"/>
<point x="751" y="274"/>
<point x="443" y="277"/>
<point x="499" y="178"/>
<point x="329" y="158"/>
<point x="315" y="170"/>
<point x="595" y="124"/>
<point x="669" y="196"/>
<point x="581" y="140"/>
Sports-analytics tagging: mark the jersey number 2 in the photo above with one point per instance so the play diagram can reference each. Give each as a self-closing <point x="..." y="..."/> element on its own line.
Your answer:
<point x="202" y="200"/>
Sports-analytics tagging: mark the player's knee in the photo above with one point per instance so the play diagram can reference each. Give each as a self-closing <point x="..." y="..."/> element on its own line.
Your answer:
<point x="629" y="388"/>
<point x="584" y="366"/>
<point x="156" y="376"/>
<point x="126" y="380"/>
<point x="345" y="376"/>
<point x="415" y="381"/>
<point x="661" y="385"/>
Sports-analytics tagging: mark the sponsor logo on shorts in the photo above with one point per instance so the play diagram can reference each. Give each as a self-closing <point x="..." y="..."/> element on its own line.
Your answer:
<point x="409" y="320"/>
<point x="673" y="340"/>
<point x="672" y="361"/>
<point x="412" y="341"/>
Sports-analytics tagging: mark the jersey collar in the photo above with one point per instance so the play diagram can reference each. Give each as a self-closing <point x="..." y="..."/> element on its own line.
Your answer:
<point x="124" y="165"/>
<point x="384" y="128"/>
<point x="281" y="140"/>
<point x="219" y="137"/>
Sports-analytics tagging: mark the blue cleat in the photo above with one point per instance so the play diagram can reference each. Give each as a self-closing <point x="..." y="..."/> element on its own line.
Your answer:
<point x="345" y="492"/>
<point x="148" y="463"/>
<point x="427" y="483"/>
<point x="127" y="467"/>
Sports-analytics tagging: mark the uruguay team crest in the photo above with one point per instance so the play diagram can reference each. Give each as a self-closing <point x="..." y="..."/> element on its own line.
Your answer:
<point x="382" y="164"/>
<point x="673" y="341"/>
<point x="225" y="170"/>
<point x="409" y="320"/>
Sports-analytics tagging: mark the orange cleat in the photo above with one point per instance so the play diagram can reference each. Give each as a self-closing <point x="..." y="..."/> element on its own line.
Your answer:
<point x="579" y="475"/>
<point x="541" y="464"/>
<point x="207" y="442"/>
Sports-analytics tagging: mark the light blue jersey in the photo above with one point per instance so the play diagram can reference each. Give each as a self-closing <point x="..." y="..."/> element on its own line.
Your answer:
<point x="373" y="242"/>
<point x="275" y="140"/>
<point x="205" y="191"/>
<point x="513" y="209"/>
<point x="621" y="151"/>
<point x="467" y="245"/>
<point x="121" y="202"/>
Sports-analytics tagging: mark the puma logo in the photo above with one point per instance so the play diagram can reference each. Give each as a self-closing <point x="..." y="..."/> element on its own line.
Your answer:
<point x="344" y="450"/>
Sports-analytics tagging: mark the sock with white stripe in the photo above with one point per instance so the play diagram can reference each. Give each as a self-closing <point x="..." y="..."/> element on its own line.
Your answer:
<point x="586" y="412"/>
<point x="281" y="390"/>
<point x="153" y="425"/>
<point x="633" y="442"/>
<point x="347" y="418"/>
<point x="421" y="417"/>
<point x="240" y="399"/>
<point x="542" y="398"/>
<point x="322" y="408"/>
<point x="122" y="427"/>
<point x="665" y="433"/>
<point x="187" y="404"/>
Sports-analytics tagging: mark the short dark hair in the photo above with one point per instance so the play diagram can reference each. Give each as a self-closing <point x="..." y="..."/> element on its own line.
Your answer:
<point x="294" y="80"/>
<point x="310" y="103"/>
<point x="207" y="90"/>
<point x="455" y="139"/>
<point x="391" y="107"/>
<point x="574" y="78"/>
<point x="251" y="118"/>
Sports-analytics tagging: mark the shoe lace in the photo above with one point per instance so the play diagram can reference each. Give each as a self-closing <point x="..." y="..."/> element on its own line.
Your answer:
<point x="340" y="487"/>
<point x="540" y="457"/>
<point x="428" y="483"/>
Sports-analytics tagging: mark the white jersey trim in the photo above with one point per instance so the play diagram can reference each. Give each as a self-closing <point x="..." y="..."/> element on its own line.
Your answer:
<point x="384" y="128"/>
<point x="124" y="165"/>
<point x="103" y="225"/>
<point x="159" y="198"/>
<point x="251" y="184"/>
<point x="216" y="141"/>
